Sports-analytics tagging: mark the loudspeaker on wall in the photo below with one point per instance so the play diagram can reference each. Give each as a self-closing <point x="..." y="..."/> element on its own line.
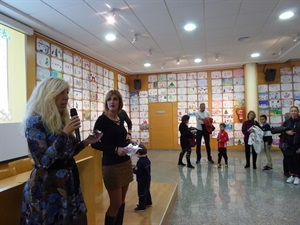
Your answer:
<point x="270" y="74"/>
<point x="137" y="83"/>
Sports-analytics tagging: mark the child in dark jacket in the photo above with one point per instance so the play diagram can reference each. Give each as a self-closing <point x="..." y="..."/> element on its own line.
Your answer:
<point x="143" y="178"/>
<point x="267" y="138"/>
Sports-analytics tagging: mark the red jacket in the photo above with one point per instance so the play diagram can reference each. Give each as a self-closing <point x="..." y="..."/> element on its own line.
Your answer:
<point x="208" y="124"/>
<point x="222" y="139"/>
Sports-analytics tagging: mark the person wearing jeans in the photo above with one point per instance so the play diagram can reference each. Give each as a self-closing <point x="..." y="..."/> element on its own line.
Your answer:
<point x="202" y="132"/>
<point x="292" y="139"/>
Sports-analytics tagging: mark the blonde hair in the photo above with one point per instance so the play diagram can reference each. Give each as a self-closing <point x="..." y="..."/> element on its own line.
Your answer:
<point x="42" y="103"/>
<point x="108" y="95"/>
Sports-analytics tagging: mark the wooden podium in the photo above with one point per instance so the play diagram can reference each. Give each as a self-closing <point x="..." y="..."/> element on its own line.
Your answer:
<point x="11" y="192"/>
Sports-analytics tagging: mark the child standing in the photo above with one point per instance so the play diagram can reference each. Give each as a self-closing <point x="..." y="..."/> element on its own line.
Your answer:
<point x="267" y="140"/>
<point x="143" y="178"/>
<point x="222" y="145"/>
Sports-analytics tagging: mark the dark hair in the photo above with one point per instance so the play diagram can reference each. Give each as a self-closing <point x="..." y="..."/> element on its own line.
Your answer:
<point x="251" y="111"/>
<point x="223" y="124"/>
<point x="295" y="108"/>
<point x="264" y="116"/>
<point x="185" y="118"/>
<point x="142" y="151"/>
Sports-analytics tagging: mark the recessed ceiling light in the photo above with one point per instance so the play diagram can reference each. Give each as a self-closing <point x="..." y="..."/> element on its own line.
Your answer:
<point x="110" y="19"/>
<point x="254" y="55"/>
<point x="147" y="64"/>
<point x="190" y="27"/>
<point x="286" y="15"/>
<point x="110" y="37"/>
<point x="197" y="60"/>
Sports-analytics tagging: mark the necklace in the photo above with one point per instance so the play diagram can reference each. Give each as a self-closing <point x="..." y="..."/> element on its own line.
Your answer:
<point x="115" y="119"/>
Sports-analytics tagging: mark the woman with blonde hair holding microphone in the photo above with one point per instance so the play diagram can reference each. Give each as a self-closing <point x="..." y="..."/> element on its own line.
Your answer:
<point x="52" y="194"/>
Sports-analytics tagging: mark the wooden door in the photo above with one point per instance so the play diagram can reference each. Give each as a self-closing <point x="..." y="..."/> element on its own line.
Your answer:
<point x="163" y="125"/>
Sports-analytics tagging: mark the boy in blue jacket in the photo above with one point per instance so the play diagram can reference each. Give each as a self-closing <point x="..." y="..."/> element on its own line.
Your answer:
<point x="267" y="140"/>
<point x="143" y="178"/>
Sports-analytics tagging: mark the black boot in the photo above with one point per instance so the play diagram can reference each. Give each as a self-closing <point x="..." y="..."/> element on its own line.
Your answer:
<point x="189" y="165"/>
<point x="120" y="215"/>
<point x="254" y="157"/>
<point x="109" y="220"/>
<point x="180" y="163"/>
<point x="247" y="153"/>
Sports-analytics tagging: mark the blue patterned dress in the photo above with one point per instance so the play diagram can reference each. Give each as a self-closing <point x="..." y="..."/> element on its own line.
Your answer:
<point x="52" y="194"/>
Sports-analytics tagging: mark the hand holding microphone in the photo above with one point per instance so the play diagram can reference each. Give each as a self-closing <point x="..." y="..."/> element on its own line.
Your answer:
<point x="73" y="125"/>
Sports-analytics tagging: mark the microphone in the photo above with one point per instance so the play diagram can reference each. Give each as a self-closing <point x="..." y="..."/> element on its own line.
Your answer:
<point x="73" y="112"/>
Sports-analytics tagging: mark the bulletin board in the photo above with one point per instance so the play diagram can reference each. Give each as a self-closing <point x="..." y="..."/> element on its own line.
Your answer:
<point x="89" y="80"/>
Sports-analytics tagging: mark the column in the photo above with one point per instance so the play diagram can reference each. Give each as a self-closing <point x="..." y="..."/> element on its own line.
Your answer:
<point x="251" y="88"/>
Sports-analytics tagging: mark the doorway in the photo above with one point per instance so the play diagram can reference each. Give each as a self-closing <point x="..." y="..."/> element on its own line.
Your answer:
<point x="163" y="125"/>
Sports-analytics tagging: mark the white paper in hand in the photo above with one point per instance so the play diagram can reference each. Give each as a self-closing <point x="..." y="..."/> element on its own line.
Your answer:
<point x="132" y="149"/>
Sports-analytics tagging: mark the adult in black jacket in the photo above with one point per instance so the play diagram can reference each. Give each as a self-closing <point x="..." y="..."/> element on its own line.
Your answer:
<point x="185" y="134"/>
<point x="122" y="114"/>
<point x="246" y="129"/>
<point x="292" y="139"/>
<point x="116" y="164"/>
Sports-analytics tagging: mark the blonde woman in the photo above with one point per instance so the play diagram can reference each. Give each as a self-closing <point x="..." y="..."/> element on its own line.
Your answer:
<point x="52" y="194"/>
<point x="116" y="164"/>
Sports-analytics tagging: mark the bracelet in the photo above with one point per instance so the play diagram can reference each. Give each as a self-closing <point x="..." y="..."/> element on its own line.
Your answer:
<point x="129" y="134"/>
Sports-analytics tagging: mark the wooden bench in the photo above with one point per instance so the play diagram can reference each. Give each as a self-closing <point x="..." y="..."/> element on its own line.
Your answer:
<point x="11" y="190"/>
<point x="21" y="165"/>
<point x="7" y="172"/>
<point x="164" y="196"/>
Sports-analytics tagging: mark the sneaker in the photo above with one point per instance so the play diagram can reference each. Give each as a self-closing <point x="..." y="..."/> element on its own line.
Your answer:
<point x="211" y="161"/>
<point x="290" y="179"/>
<point x="226" y="166"/>
<point x="296" y="181"/>
<point x="267" y="168"/>
<point x="219" y="165"/>
<point x="139" y="209"/>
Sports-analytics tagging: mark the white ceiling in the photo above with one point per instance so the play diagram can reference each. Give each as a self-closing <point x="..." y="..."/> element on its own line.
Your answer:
<point x="81" y="25"/>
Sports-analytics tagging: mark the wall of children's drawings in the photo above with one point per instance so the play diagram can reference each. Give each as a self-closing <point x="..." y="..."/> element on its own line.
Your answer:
<point x="89" y="81"/>
<point x="224" y="88"/>
<point x="223" y="92"/>
<point x="276" y="99"/>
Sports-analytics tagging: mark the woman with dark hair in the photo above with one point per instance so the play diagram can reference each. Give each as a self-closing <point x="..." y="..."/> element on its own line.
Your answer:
<point x="292" y="139"/>
<point x="185" y="135"/>
<point x="116" y="164"/>
<point x="246" y="129"/>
